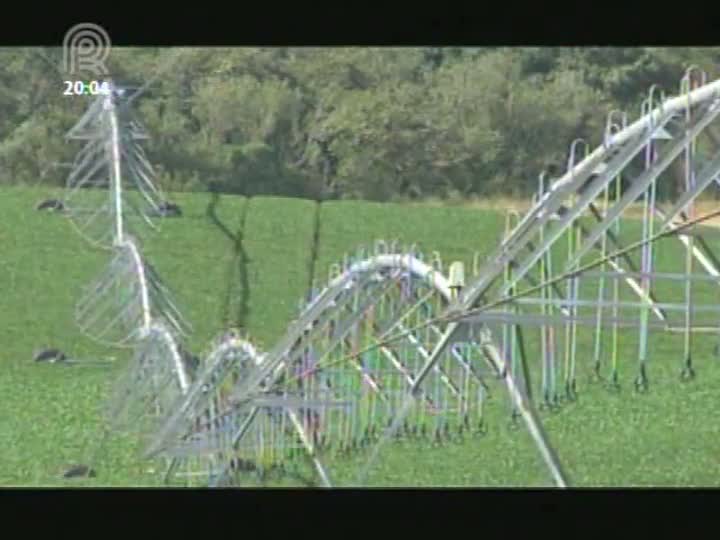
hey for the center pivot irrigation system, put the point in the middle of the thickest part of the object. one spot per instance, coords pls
(391, 347)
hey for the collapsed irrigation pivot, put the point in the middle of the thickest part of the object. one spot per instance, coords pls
(395, 345)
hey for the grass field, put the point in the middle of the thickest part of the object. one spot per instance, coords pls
(248, 262)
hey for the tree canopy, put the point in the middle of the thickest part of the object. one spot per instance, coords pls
(371, 123)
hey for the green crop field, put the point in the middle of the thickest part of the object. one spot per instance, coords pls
(231, 260)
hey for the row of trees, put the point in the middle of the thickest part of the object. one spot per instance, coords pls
(373, 123)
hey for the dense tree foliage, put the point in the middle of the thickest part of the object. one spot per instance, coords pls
(373, 123)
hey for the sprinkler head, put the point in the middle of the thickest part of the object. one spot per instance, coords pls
(687, 374)
(641, 381)
(260, 473)
(570, 390)
(438, 436)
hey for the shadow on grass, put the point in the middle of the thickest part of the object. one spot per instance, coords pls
(238, 285)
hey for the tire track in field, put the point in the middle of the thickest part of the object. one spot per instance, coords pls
(314, 248)
(236, 299)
